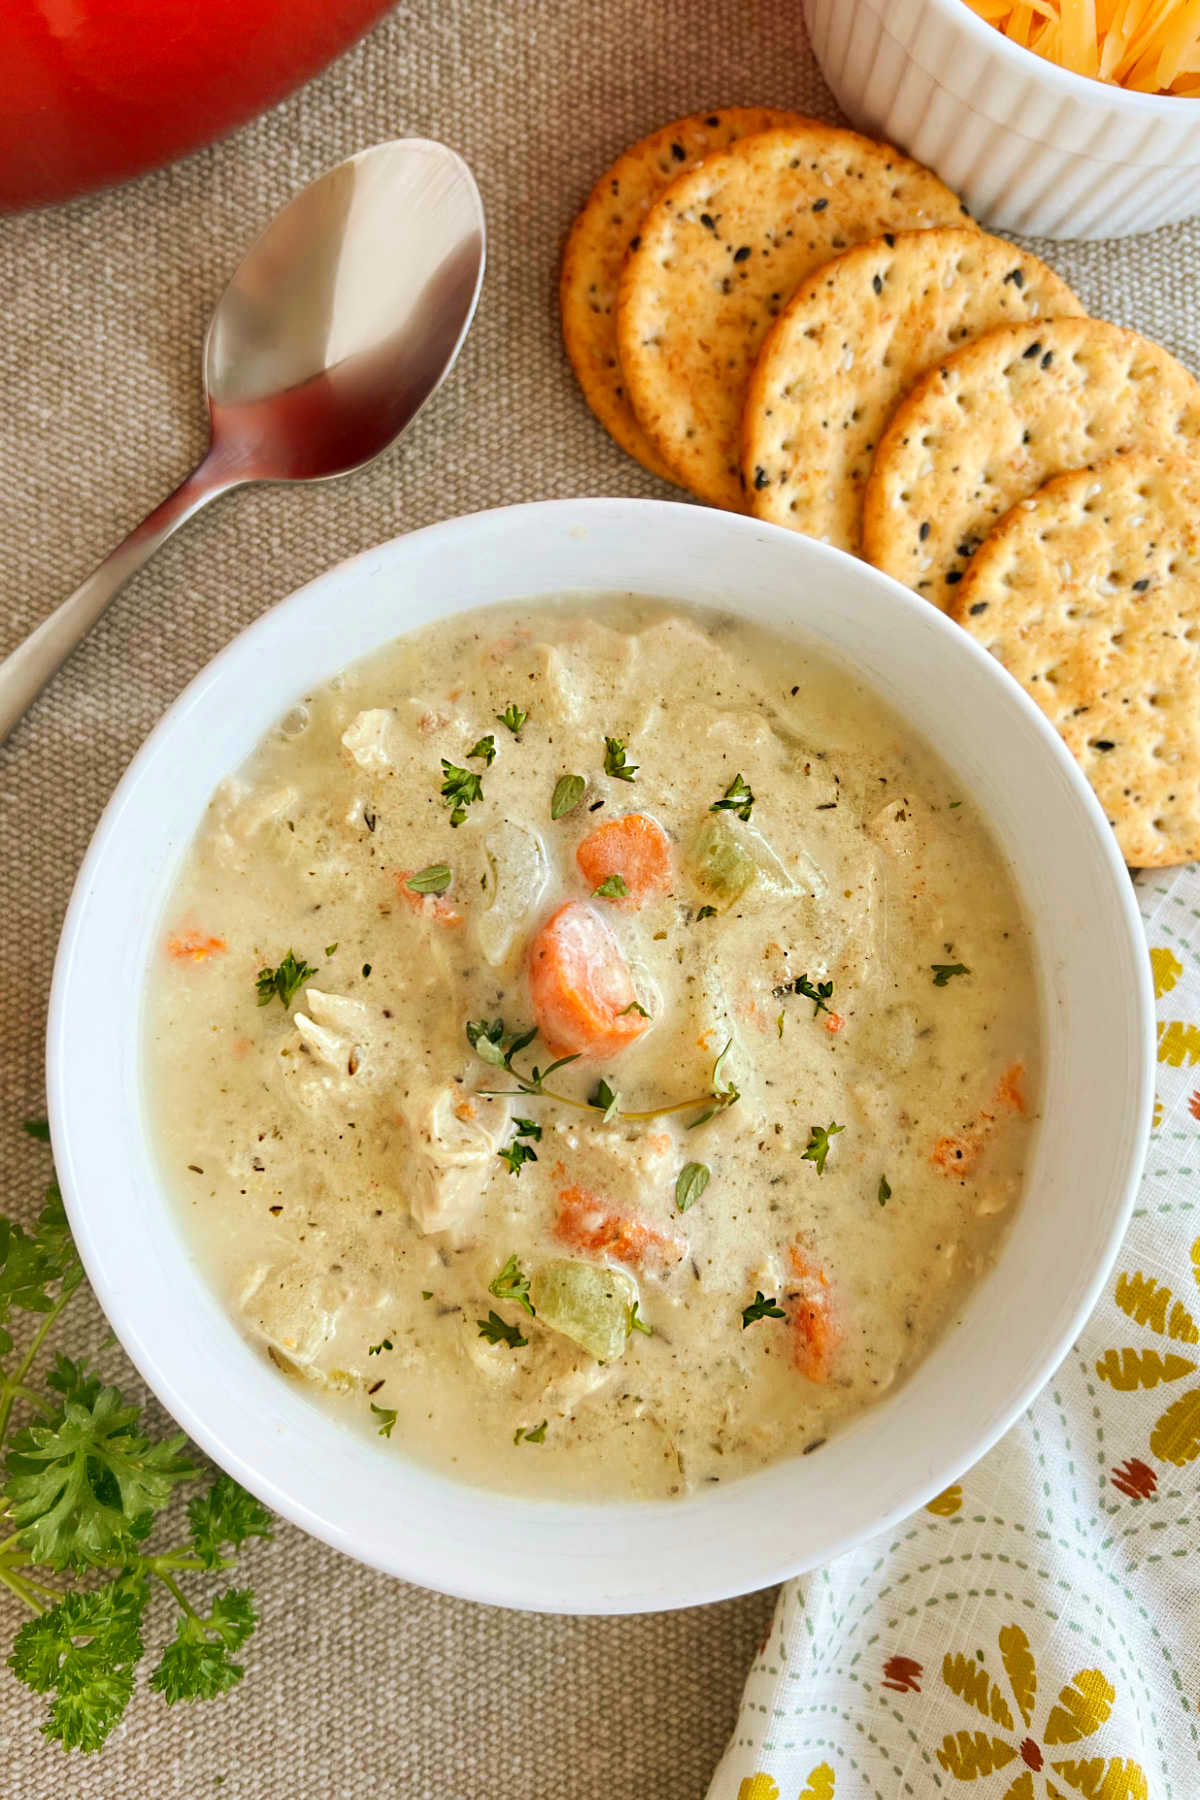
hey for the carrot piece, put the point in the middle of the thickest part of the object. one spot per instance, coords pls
(587, 1223)
(815, 1332)
(583, 995)
(1009, 1089)
(636, 848)
(957, 1155)
(834, 1022)
(193, 946)
(441, 909)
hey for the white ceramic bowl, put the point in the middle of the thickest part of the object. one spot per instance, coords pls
(362, 1496)
(1029, 146)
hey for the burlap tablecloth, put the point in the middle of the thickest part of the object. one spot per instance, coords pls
(357, 1688)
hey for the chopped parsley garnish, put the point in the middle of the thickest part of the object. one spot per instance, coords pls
(568, 792)
(761, 1308)
(486, 747)
(611, 888)
(636, 1324)
(737, 799)
(427, 1293)
(955, 803)
(819, 1144)
(494, 1329)
(779, 1024)
(707, 912)
(460, 789)
(512, 1284)
(690, 1183)
(614, 760)
(329, 949)
(533, 1435)
(942, 972)
(432, 880)
(387, 1416)
(513, 717)
(885, 1192)
(285, 982)
(819, 995)
(516, 1154)
(37, 1128)
(380, 1347)
(634, 1006)
(492, 1044)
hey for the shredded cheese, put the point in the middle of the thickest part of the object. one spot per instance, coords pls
(1150, 45)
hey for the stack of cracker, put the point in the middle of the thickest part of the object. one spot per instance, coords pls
(797, 322)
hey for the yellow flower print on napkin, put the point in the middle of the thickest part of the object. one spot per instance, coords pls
(1082, 1707)
(819, 1786)
(1166, 969)
(1175, 1437)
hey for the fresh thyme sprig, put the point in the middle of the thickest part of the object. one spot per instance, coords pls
(496, 1046)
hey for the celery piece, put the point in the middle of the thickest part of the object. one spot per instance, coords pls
(585, 1302)
(719, 862)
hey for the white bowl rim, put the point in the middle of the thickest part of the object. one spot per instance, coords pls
(1071, 85)
(439, 1570)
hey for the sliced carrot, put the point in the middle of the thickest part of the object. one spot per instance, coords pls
(636, 848)
(834, 1022)
(193, 946)
(586, 1222)
(815, 1331)
(957, 1155)
(583, 995)
(1009, 1088)
(439, 908)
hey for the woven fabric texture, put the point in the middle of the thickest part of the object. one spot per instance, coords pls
(357, 1688)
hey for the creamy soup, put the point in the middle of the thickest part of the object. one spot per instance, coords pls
(779, 965)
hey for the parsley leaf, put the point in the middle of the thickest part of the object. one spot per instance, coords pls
(707, 912)
(568, 792)
(737, 799)
(84, 1651)
(486, 747)
(615, 763)
(690, 1183)
(885, 1192)
(761, 1308)
(611, 888)
(531, 1434)
(512, 1284)
(819, 1144)
(198, 1664)
(605, 1099)
(494, 1329)
(379, 1348)
(516, 1154)
(285, 982)
(634, 1006)
(942, 972)
(513, 717)
(636, 1324)
(387, 1415)
(460, 789)
(434, 879)
(37, 1128)
(87, 1485)
(225, 1517)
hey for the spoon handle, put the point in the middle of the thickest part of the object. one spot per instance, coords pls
(25, 672)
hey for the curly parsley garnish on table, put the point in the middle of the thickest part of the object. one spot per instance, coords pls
(80, 1489)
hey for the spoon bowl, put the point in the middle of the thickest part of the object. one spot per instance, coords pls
(342, 319)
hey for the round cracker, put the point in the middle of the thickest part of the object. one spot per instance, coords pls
(717, 258)
(1000, 417)
(1089, 593)
(599, 238)
(849, 345)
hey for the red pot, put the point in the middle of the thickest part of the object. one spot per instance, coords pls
(93, 91)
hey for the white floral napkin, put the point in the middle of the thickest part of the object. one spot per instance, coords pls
(1034, 1632)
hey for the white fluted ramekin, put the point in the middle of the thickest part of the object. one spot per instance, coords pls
(1030, 146)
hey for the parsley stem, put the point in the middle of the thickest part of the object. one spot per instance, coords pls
(173, 1587)
(12, 1384)
(545, 1093)
(22, 1588)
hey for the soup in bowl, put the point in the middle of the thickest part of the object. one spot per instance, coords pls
(613, 1095)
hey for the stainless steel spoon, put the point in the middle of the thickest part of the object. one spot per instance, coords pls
(342, 319)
